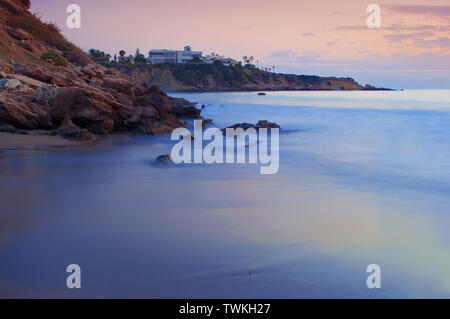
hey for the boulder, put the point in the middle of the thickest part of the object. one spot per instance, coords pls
(25, 115)
(260, 124)
(85, 106)
(70, 131)
(27, 80)
(266, 124)
(12, 84)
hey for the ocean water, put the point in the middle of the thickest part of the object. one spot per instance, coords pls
(364, 179)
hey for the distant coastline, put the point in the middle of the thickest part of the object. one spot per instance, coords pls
(220, 78)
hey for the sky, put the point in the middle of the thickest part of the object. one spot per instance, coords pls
(320, 37)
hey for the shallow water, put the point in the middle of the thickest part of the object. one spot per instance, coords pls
(364, 179)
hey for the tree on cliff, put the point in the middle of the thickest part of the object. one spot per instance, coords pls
(139, 57)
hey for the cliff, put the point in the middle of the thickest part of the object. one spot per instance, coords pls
(47, 83)
(218, 77)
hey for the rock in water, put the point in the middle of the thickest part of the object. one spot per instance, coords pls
(163, 159)
(260, 124)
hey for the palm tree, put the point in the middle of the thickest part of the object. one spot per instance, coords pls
(251, 59)
(122, 53)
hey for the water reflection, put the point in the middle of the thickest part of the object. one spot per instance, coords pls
(347, 195)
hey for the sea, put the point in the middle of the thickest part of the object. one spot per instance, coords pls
(364, 179)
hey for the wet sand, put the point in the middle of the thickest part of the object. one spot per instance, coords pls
(34, 141)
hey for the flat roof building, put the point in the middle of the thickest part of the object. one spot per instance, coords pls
(174, 56)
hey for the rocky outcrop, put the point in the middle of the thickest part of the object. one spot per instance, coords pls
(261, 124)
(77, 100)
(72, 132)
(163, 159)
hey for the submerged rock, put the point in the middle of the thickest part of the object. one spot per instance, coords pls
(163, 159)
(260, 124)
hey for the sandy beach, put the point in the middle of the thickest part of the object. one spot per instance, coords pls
(34, 141)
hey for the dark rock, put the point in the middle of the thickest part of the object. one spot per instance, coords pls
(164, 159)
(71, 131)
(266, 124)
(260, 124)
(85, 106)
(190, 112)
(12, 84)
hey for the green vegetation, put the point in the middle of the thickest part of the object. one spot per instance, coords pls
(55, 57)
(99, 56)
(139, 58)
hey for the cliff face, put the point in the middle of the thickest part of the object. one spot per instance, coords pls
(218, 77)
(48, 83)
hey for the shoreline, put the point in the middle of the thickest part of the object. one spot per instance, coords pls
(35, 141)
(275, 90)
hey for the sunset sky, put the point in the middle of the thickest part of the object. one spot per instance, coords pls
(330, 38)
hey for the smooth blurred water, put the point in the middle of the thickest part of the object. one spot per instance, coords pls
(364, 179)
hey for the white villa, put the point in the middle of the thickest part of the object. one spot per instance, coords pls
(174, 56)
(211, 58)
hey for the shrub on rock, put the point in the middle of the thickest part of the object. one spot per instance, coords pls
(55, 58)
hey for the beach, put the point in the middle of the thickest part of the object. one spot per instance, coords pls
(34, 141)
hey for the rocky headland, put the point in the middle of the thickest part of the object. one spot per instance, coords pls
(49, 85)
(220, 78)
